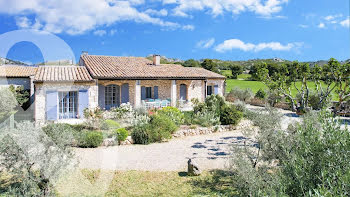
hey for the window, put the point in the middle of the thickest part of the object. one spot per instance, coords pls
(68, 105)
(209, 90)
(148, 92)
(112, 96)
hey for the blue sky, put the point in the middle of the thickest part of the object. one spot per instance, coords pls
(303, 30)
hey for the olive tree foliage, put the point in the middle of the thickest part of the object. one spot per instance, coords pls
(7, 102)
(298, 76)
(306, 159)
(30, 162)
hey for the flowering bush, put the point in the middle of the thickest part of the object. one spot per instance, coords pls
(172, 113)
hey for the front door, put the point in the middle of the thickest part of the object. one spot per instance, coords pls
(112, 96)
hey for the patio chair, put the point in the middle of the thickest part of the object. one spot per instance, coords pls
(150, 100)
(158, 100)
(157, 104)
(164, 103)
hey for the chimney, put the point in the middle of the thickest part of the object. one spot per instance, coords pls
(83, 53)
(156, 60)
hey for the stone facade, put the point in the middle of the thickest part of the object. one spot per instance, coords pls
(40, 97)
(195, 88)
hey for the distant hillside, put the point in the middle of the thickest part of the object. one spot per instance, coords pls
(166, 60)
(57, 63)
(9, 61)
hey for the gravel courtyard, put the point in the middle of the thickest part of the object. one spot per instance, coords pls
(209, 151)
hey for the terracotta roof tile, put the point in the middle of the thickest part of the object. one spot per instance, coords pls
(17, 71)
(110, 67)
(62, 74)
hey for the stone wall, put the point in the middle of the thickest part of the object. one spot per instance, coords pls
(220, 83)
(40, 96)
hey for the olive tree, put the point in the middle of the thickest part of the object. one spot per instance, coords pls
(30, 162)
(7, 102)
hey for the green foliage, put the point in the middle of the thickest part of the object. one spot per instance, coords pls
(91, 139)
(191, 63)
(210, 65)
(242, 94)
(160, 128)
(236, 70)
(110, 125)
(188, 117)
(94, 117)
(61, 134)
(121, 134)
(230, 115)
(30, 162)
(305, 160)
(22, 96)
(206, 118)
(7, 102)
(173, 114)
(140, 135)
(260, 94)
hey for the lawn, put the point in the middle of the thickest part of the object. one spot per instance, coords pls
(256, 85)
(145, 183)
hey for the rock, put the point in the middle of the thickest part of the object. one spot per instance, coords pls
(108, 142)
(192, 168)
(129, 138)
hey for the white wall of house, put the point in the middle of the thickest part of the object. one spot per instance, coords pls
(40, 98)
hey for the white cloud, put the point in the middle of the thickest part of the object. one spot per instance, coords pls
(204, 44)
(345, 23)
(218, 7)
(112, 32)
(78, 16)
(303, 26)
(100, 32)
(321, 26)
(162, 12)
(231, 44)
(188, 27)
(332, 17)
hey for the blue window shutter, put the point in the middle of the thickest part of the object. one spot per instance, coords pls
(83, 101)
(101, 96)
(51, 105)
(155, 92)
(125, 93)
(143, 93)
(216, 89)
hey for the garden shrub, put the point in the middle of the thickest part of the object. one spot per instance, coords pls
(160, 128)
(188, 117)
(92, 139)
(243, 95)
(260, 94)
(139, 134)
(206, 118)
(110, 125)
(230, 115)
(307, 159)
(173, 114)
(273, 97)
(121, 134)
(60, 133)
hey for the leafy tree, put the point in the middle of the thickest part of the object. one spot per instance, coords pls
(30, 161)
(7, 102)
(22, 95)
(236, 70)
(210, 65)
(191, 63)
